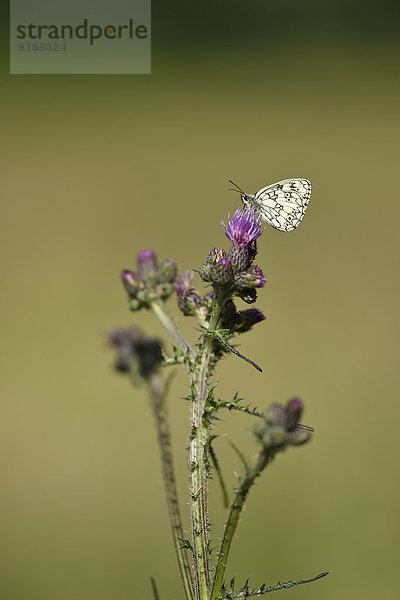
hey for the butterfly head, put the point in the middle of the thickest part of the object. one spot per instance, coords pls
(238, 189)
(247, 200)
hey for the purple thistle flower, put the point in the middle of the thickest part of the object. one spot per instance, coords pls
(147, 265)
(244, 227)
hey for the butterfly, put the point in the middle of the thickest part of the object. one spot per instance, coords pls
(281, 204)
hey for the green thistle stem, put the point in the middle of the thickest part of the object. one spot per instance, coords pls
(232, 522)
(199, 458)
(157, 398)
(159, 310)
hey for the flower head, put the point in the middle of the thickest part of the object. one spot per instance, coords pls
(151, 282)
(244, 227)
(279, 427)
(147, 265)
(134, 352)
(189, 300)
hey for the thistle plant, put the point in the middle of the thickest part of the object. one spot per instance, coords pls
(232, 278)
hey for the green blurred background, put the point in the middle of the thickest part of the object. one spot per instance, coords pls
(95, 168)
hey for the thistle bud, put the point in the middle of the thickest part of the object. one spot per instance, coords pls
(241, 257)
(279, 427)
(298, 436)
(250, 279)
(168, 271)
(274, 415)
(214, 257)
(189, 299)
(205, 272)
(293, 410)
(131, 282)
(221, 272)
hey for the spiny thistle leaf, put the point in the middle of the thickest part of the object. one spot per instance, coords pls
(212, 406)
(244, 592)
(248, 410)
(186, 544)
(221, 335)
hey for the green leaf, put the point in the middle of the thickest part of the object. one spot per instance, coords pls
(241, 457)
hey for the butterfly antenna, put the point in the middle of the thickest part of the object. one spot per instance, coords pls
(238, 189)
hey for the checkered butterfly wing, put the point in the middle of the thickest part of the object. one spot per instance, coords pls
(282, 204)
